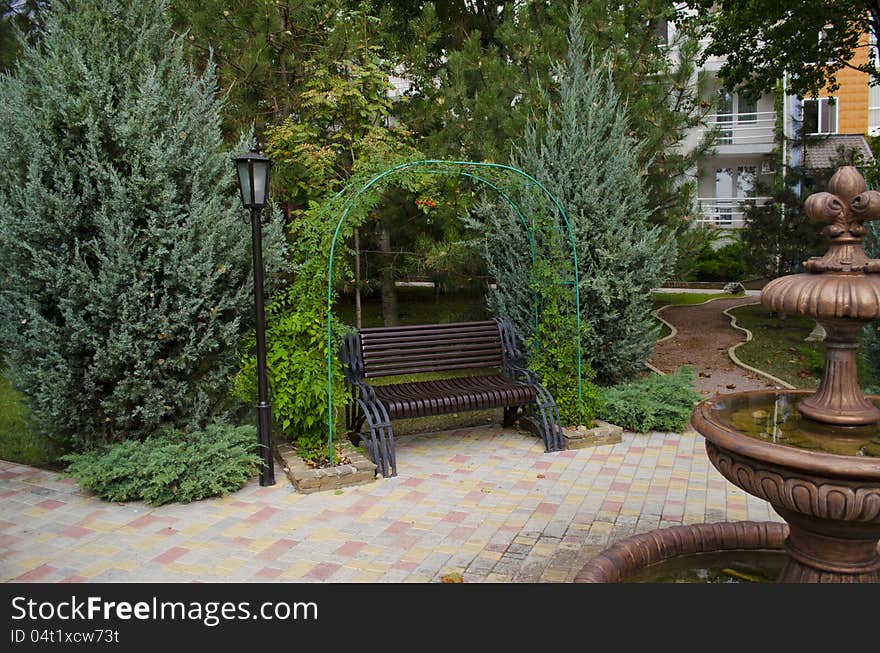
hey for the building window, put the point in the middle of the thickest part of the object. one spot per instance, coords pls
(820, 116)
(747, 107)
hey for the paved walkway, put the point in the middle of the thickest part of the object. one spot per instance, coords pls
(484, 502)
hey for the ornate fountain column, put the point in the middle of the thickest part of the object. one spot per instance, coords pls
(841, 291)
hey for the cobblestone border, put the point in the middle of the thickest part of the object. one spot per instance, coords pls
(731, 352)
(601, 433)
(310, 479)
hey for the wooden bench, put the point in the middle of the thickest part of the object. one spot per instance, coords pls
(488, 346)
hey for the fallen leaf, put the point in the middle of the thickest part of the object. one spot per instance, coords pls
(540, 476)
(730, 386)
(454, 577)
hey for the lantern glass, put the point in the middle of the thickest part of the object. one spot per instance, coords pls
(253, 180)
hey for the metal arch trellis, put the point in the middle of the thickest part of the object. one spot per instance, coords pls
(430, 168)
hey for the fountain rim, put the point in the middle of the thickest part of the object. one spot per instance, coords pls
(819, 463)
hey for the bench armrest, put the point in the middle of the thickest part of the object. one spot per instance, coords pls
(518, 374)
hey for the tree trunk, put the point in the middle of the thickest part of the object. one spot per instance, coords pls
(357, 278)
(389, 292)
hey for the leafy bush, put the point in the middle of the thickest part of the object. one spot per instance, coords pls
(171, 466)
(722, 264)
(653, 403)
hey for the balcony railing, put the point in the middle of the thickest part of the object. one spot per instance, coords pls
(726, 212)
(754, 128)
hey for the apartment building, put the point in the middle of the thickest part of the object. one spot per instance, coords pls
(746, 149)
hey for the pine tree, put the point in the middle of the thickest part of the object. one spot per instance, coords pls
(124, 255)
(583, 152)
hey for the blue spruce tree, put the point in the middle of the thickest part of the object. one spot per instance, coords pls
(125, 282)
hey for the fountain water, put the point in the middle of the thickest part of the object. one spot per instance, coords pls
(814, 456)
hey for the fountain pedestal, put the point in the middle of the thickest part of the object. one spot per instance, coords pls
(815, 457)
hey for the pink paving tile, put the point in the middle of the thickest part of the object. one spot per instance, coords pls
(324, 570)
(350, 548)
(262, 515)
(171, 555)
(74, 579)
(269, 572)
(414, 497)
(459, 458)
(413, 482)
(497, 547)
(51, 504)
(461, 533)
(620, 487)
(37, 574)
(406, 542)
(438, 475)
(398, 527)
(547, 507)
(464, 470)
(567, 454)
(541, 464)
(147, 520)
(6, 541)
(76, 531)
(612, 506)
(455, 517)
(5, 524)
(244, 541)
(277, 549)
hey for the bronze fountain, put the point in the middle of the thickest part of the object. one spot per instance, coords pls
(815, 457)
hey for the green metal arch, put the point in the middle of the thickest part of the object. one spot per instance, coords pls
(460, 164)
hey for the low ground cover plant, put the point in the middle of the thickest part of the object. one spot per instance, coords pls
(653, 403)
(170, 466)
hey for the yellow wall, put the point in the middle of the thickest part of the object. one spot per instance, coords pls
(852, 97)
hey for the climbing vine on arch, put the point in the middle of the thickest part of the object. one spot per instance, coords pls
(304, 335)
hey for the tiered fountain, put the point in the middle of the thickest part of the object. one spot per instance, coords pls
(814, 456)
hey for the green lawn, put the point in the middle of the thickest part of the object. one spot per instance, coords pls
(778, 347)
(17, 444)
(666, 298)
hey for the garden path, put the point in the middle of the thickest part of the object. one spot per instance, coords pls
(703, 338)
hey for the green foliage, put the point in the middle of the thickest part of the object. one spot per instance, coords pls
(296, 336)
(762, 42)
(555, 363)
(653, 403)
(722, 264)
(125, 267)
(170, 467)
(584, 153)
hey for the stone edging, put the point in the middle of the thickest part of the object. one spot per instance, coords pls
(309, 479)
(731, 352)
(672, 330)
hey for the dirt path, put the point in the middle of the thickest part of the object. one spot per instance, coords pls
(703, 338)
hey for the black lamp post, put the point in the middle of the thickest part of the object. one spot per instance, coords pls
(253, 180)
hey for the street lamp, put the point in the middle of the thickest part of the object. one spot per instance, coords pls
(253, 180)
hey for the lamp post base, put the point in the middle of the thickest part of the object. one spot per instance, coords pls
(267, 470)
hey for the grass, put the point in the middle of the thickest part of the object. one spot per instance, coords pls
(778, 347)
(678, 298)
(17, 443)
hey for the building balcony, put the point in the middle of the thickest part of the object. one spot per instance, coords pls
(742, 133)
(726, 212)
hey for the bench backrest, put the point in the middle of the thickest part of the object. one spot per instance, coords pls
(389, 351)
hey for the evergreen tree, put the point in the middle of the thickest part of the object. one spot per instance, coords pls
(583, 151)
(124, 255)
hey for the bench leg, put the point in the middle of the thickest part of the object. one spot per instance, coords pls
(379, 441)
(544, 416)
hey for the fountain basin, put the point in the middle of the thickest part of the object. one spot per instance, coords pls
(831, 501)
(631, 557)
